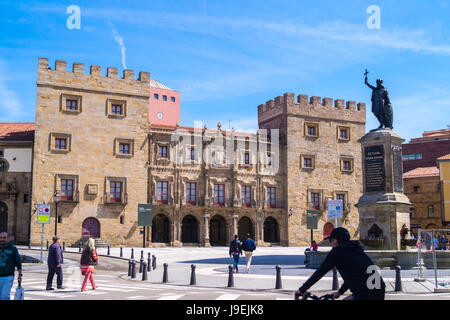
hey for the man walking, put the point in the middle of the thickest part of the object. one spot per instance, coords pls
(9, 260)
(54, 262)
(248, 246)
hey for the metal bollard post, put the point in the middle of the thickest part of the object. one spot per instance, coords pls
(129, 268)
(79, 246)
(278, 281)
(121, 252)
(29, 244)
(193, 279)
(149, 262)
(230, 277)
(133, 269)
(109, 251)
(144, 271)
(47, 245)
(153, 262)
(335, 280)
(132, 253)
(142, 254)
(141, 261)
(165, 275)
(398, 280)
(64, 246)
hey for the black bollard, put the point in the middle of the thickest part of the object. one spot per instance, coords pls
(121, 252)
(165, 275)
(129, 268)
(29, 244)
(335, 280)
(109, 251)
(64, 246)
(79, 246)
(141, 262)
(230, 277)
(153, 262)
(144, 271)
(149, 263)
(133, 269)
(398, 279)
(278, 281)
(47, 245)
(142, 254)
(193, 279)
(132, 253)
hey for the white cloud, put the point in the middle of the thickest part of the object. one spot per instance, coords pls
(119, 40)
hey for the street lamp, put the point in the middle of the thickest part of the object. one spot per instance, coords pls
(57, 197)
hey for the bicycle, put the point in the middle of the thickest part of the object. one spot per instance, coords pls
(313, 297)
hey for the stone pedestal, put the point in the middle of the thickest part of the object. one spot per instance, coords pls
(383, 208)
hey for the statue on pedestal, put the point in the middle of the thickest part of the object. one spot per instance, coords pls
(381, 105)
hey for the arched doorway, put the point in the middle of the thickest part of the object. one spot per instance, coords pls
(189, 229)
(327, 228)
(271, 230)
(92, 225)
(217, 231)
(3, 217)
(160, 229)
(245, 226)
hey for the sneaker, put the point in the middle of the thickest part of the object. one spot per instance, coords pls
(49, 288)
(61, 288)
(237, 271)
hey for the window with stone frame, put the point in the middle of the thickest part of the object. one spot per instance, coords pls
(315, 199)
(70, 103)
(343, 195)
(192, 153)
(271, 197)
(219, 195)
(307, 161)
(60, 142)
(246, 158)
(191, 193)
(67, 187)
(162, 196)
(124, 148)
(246, 196)
(116, 108)
(343, 133)
(312, 129)
(116, 190)
(347, 164)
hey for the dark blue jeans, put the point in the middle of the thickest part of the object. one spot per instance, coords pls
(236, 261)
(59, 276)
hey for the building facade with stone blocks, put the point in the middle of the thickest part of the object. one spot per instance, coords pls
(444, 177)
(322, 157)
(422, 187)
(97, 149)
(91, 148)
(16, 149)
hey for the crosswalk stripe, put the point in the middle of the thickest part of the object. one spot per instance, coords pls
(228, 296)
(174, 297)
(136, 297)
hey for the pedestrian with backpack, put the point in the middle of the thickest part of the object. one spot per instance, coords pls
(9, 261)
(248, 246)
(89, 259)
(235, 251)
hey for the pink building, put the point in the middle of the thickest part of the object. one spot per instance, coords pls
(164, 107)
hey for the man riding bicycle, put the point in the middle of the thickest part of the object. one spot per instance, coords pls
(354, 267)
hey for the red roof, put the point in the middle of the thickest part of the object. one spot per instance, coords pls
(10, 131)
(422, 172)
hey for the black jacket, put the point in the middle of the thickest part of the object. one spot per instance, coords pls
(352, 263)
(86, 257)
(235, 246)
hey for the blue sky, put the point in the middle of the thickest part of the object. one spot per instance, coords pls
(227, 57)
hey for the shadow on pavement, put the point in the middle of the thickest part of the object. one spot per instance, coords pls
(257, 260)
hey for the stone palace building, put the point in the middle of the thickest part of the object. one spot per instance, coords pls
(104, 144)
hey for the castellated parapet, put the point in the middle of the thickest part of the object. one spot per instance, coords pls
(314, 107)
(77, 79)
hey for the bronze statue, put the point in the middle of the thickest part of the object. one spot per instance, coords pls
(381, 105)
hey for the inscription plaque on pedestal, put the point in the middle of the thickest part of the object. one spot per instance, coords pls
(374, 168)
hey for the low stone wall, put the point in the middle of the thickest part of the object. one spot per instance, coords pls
(388, 259)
